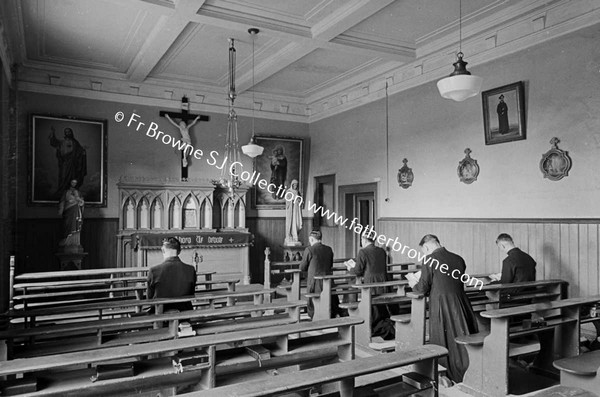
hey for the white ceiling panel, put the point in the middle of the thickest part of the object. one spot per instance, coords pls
(320, 68)
(85, 33)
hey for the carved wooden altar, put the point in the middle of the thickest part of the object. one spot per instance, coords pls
(209, 222)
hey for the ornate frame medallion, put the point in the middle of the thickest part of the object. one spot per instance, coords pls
(405, 176)
(555, 163)
(468, 169)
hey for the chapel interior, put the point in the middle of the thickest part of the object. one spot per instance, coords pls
(349, 91)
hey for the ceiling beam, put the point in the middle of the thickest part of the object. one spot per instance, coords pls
(323, 32)
(162, 37)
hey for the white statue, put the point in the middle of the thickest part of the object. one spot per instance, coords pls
(184, 129)
(293, 215)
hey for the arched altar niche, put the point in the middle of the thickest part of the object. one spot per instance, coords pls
(207, 220)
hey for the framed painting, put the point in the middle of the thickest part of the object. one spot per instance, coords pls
(504, 114)
(63, 150)
(281, 162)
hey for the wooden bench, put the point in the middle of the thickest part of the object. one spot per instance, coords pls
(88, 335)
(580, 371)
(208, 285)
(489, 352)
(411, 328)
(363, 308)
(89, 309)
(345, 373)
(322, 301)
(227, 355)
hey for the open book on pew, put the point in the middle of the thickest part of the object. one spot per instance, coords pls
(413, 278)
(185, 329)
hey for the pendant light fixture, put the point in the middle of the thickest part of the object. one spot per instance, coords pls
(228, 180)
(252, 149)
(460, 85)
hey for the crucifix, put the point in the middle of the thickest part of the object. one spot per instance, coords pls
(184, 116)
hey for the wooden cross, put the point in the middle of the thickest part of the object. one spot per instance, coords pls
(185, 116)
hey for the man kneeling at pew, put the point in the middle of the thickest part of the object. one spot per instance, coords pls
(371, 265)
(172, 278)
(450, 311)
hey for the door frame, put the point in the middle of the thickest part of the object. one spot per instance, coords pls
(344, 193)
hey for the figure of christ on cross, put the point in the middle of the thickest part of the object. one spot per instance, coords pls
(184, 130)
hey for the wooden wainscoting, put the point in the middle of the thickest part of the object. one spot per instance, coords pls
(563, 248)
(37, 243)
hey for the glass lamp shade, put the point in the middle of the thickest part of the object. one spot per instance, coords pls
(252, 149)
(459, 87)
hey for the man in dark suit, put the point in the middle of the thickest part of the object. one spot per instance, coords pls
(371, 265)
(518, 266)
(317, 261)
(172, 278)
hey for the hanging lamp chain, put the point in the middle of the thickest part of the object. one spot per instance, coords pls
(253, 40)
(460, 26)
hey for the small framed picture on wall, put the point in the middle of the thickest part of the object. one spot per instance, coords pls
(504, 114)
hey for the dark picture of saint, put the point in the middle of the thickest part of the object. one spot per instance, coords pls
(64, 150)
(502, 110)
(71, 157)
(504, 113)
(280, 164)
(278, 169)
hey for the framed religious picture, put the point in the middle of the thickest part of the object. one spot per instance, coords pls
(504, 114)
(281, 162)
(66, 151)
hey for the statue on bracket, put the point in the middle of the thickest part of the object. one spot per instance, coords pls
(555, 163)
(468, 169)
(405, 176)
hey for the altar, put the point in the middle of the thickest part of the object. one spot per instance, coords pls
(209, 223)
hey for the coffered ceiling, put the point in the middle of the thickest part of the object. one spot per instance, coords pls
(312, 57)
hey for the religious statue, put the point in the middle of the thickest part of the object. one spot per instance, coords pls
(184, 129)
(293, 215)
(70, 208)
(72, 160)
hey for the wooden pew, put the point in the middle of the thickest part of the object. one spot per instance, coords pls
(424, 359)
(288, 345)
(410, 328)
(489, 352)
(119, 307)
(580, 371)
(88, 335)
(363, 308)
(322, 301)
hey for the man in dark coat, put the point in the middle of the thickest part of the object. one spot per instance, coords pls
(450, 311)
(317, 260)
(172, 278)
(371, 264)
(518, 266)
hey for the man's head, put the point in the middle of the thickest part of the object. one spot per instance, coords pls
(505, 242)
(68, 133)
(314, 237)
(367, 239)
(170, 247)
(429, 243)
